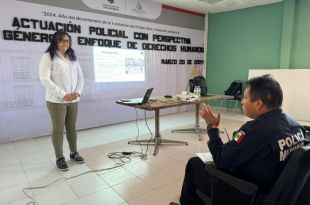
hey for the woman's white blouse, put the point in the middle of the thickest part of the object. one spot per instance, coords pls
(60, 76)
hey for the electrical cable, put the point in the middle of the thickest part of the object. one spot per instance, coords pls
(147, 145)
(144, 154)
(227, 135)
(138, 130)
(119, 158)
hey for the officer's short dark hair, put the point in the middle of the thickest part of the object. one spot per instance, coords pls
(267, 89)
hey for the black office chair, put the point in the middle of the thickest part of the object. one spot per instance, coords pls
(235, 90)
(291, 188)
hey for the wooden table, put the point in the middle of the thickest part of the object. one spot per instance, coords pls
(163, 103)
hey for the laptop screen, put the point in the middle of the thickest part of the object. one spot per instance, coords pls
(147, 95)
(140, 101)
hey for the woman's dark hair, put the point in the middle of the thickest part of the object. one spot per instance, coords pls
(56, 38)
(266, 89)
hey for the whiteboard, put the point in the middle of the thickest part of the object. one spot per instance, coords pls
(295, 84)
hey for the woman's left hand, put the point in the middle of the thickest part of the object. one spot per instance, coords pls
(75, 95)
(71, 96)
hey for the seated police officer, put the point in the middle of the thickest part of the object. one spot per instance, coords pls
(259, 148)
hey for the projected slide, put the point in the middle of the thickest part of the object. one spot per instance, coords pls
(118, 65)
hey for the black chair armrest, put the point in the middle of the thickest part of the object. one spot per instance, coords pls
(241, 185)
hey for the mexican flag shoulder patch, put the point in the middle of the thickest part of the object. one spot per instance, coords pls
(239, 136)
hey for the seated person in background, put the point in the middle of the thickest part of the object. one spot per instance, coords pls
(259, 148)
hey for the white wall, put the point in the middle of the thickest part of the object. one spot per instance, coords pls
(295, 84)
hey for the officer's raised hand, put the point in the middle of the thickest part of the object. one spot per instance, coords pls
(209, 117)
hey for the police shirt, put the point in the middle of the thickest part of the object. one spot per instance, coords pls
(259, 149)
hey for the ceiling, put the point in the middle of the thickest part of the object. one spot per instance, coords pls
(215, 6)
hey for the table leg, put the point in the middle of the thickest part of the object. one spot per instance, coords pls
(157, 139)
(195, 129)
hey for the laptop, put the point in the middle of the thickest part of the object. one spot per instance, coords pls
(139, 101)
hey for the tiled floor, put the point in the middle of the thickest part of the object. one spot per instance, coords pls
(156, 180)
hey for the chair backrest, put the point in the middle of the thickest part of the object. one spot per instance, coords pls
(293, 182)
(235, 89)
(291, 188)
(304, 198)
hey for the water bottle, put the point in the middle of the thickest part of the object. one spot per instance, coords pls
(198, 91)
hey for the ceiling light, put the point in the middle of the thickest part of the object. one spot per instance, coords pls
(211, 1)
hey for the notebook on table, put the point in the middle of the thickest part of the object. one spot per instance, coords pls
(139, 101)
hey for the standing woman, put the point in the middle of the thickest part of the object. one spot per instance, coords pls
(61, 74)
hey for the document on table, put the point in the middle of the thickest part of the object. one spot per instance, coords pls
(206, 157)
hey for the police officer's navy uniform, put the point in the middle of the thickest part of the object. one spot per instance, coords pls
(256, 153)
